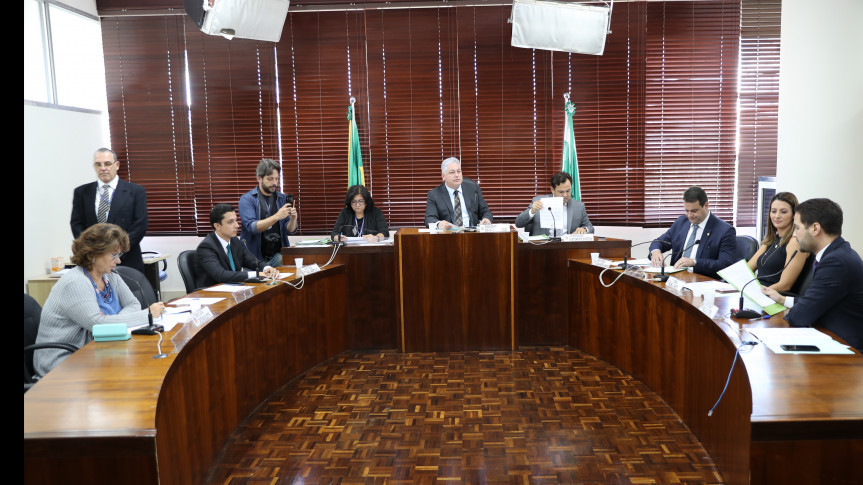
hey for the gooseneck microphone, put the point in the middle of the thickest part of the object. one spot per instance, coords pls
(664, 277)
(624, 264)
(151, 328)
(741, 313)
(554, 224)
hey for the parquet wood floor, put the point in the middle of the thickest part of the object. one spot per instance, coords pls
(547, 415)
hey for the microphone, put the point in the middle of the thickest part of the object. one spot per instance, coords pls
(554, 223)
(150, 329)
(626, 265)
(741, 313)
(476, 205)
(664, 277)
(353, 233)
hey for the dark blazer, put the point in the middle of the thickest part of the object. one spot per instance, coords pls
(212, 266)
(835, 296)
(128, 210)
(374, 223)
(439, 205)
(575, 211)
(717, 249)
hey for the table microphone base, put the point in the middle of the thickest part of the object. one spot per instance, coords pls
(747, 314)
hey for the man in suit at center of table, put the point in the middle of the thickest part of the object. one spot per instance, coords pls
(456, 193)
(112, 200)
(575, 219)
(716, 240)
(835, 297)
(221, 256)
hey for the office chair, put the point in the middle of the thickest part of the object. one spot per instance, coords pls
(186, 263)
(139, 284)
(163, 273)
(746, 247)
(32, 316)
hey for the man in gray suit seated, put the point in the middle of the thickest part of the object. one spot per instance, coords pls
(457, 202)
(575, 219)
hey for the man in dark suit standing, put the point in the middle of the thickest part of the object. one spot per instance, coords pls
(456, 202)
(835, 296)
(575, 219)
(716, 240)
(221, 256)
(112, 200)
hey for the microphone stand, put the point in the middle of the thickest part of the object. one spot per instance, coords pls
(554, 228)
(747, 314)
(151, 328)
(624, 264)
(664, 277)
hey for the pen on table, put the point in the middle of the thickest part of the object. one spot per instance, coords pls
(765, 317)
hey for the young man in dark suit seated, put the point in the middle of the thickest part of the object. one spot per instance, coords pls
(835, 297)
(221, 257)
(699, 241)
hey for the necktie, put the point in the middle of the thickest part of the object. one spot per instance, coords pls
(231, 258)
(102, 216)
(814, 265)
(456, 203)
(691, 241)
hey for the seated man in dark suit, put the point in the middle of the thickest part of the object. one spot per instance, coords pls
(456, 202)
(221, 256)
(835, 296)
(575, 220)
(716, 240)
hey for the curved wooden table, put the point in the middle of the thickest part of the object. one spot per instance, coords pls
(111, 413)
(783, 419)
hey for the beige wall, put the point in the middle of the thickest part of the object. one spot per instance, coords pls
(821, 106)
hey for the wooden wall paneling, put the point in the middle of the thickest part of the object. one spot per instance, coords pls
(544, 293)
(666, 342)
(822, 462)
(431, 294)
(370, 292)
(489, 289)
(47, 460)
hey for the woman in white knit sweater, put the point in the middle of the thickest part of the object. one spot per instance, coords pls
(88, 295)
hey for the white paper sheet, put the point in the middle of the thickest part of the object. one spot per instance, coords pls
(739, 274)
(199, 301)
(546, 221)
(775, 338)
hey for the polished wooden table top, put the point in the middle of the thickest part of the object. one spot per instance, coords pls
(110, 388)
(789, 388)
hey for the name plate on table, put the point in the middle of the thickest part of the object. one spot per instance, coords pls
(242, 295)
(675, 284)
(201, 316)
(577, 237)
(310, 269)
(709, 309)
(493, 228)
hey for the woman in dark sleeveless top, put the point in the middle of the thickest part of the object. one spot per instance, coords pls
(778, 246)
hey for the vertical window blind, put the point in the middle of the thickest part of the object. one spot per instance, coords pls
(655, 114)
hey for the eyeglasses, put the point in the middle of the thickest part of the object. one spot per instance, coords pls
(116, 255)
(358, 202)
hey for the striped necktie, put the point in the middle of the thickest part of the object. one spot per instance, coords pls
(456, 203)
(102, 216)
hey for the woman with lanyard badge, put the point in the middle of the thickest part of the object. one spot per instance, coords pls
(360, 217)
(89, 294)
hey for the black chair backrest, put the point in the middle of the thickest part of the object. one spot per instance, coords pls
(746, 247)
(32, 316)
(186, 262)
(138, 283)
(805, 277)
